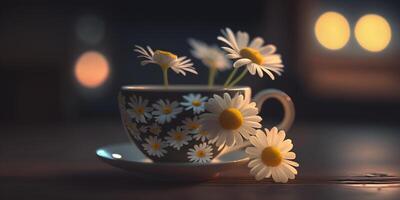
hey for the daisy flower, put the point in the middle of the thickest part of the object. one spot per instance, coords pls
(191, 124)
(202, 135)
(155, 146)
(135, 131)
(139, 110)
(211, 56)
(271, 156)
(201, 153)
(230, 119)
(154, 129)
(194, 102)
(165, 60)
(165, 111)
(178, 137)
(257, 57)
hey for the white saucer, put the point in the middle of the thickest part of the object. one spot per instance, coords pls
(126, 156)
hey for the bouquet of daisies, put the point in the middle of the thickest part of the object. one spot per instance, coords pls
(252, 56)
(269, 152)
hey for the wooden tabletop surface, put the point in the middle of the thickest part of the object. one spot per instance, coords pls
(57, 161)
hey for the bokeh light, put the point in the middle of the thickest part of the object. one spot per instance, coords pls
(92, 69)
(373, 32)
(332, 30)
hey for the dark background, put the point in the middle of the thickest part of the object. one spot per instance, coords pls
(346, 132)
(39, 46)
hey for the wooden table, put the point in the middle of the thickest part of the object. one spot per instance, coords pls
(58, 161)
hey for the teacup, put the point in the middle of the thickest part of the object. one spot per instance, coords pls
(163, 121)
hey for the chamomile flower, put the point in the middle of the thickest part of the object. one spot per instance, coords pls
(135, 131)
(165, 60)
(155, 146)
(191, 125)
(194, 102)
(270, 155)
(202, 135)
(230, 119)
(211, 56)
(165, 111)
(178, 137)
(201, 153)
(139, 110)
(154, 129)
(257, 57)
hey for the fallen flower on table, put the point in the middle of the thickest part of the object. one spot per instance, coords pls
(270, 155)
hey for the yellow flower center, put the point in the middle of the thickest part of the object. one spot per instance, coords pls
(164, 58)
(154, 130)
(139, 110)
(193, 126)
(231, 119)
(271, 156)
(132, 126)
(252, 54)
(178, 136)
(200, 154)
(155, 146)
(196, 103)
(167, 110)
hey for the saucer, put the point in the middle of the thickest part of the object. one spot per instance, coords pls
(126, 156)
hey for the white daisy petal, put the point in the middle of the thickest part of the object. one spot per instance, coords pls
(256, 43)
(292, 163)
(231, 37)
(260, 135)
(252, 151)
(290, 168)
(268, 49)
(243, 39)
(285, 146)
(233, 56)
(241, 62)
(261, 174)
(229, 50)
(256, 169)
(289, 155)
(252, 68)
(282, 175)
(254, 162)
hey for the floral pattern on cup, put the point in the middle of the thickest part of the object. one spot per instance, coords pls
(144, 121)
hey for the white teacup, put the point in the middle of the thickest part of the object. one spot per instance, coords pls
(151, 113)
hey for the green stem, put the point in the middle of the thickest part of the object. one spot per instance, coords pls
(211, 76)
(240, 77)
(165, 76)
(230, 77)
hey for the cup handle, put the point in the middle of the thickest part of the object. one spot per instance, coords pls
(260, 98)
(284, 99)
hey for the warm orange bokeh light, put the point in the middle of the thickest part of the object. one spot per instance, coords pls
(373, 32)
(92, 69)
(332, 30)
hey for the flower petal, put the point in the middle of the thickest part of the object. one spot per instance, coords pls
(241, 62)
